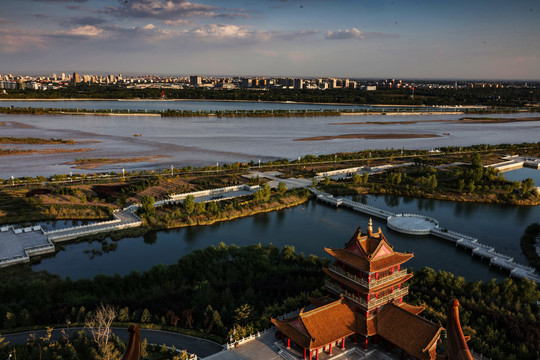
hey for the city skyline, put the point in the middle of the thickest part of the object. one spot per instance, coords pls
(313, 38)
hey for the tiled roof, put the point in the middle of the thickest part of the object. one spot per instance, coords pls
(415, 310)
(321, 326)
(364, 264)
(416, 335)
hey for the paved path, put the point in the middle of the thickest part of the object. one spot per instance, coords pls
(193, 345)
(291, 183)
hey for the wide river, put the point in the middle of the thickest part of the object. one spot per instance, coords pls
(309, 228)
(206, 140)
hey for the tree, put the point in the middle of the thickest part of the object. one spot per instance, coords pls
(527, 185)
(147, 203)
(189, 204)
(356, 179)
(326, 181)
(314, 182)
(99, 325)
(282, 187)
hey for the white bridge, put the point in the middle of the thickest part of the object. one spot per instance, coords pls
(415, 224)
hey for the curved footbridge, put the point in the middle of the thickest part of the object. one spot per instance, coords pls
(414, 224)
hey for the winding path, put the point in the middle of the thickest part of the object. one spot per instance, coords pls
(193, 345)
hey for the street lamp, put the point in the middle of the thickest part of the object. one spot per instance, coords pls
(123, 174)
(172, 170)
(12, 180)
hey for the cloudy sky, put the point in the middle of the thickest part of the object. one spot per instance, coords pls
(458, 39)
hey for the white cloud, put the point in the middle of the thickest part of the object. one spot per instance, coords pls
(87, 31)
(219, 31)
(345, 34)
(354, 33)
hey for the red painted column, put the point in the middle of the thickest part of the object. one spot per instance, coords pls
(376, 276)
(317, 354)
(310, 354)
(288, 343)
(305, 353)
(330, 349)
(365, 343)
(369, 278)
(343, 344)
(367, 297)
(398, 267)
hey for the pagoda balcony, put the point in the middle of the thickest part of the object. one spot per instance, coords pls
(373, 302)
(362, 281)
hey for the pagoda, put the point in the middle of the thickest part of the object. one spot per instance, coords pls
(366, 290)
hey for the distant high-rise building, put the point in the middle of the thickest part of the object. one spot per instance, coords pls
(63, 76)
(299, 84)
(195, 80)
(76, 78)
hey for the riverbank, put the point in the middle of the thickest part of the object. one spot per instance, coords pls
(438, 195)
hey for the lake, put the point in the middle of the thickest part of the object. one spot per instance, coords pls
(309, 228)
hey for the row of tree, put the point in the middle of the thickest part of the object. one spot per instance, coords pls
(494, 96)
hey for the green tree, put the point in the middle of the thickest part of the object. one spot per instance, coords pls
(147, 203)
(282, 187)
(356, 179)
(326, 181)
(189, 204)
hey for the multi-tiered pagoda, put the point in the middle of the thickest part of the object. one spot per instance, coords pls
(367, 280)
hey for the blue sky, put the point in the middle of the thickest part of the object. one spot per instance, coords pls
(437, 39)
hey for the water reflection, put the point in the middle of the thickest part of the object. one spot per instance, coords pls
(391, 200)
(150, 237)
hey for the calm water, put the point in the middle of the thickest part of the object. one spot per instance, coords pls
(311, 227)
(200, 141)
(522, 174)
(173, 105)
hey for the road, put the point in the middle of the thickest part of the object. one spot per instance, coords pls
(201, 347)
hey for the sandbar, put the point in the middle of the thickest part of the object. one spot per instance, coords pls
(368, 136)
(95, 163)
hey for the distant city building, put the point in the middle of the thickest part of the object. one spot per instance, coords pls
(195, 80)
(76, 78)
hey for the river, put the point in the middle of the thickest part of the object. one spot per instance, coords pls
(309, 228)
(199, 141)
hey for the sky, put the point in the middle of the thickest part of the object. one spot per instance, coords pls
(407, 39)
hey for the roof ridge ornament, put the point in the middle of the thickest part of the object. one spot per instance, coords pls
(370, 227)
